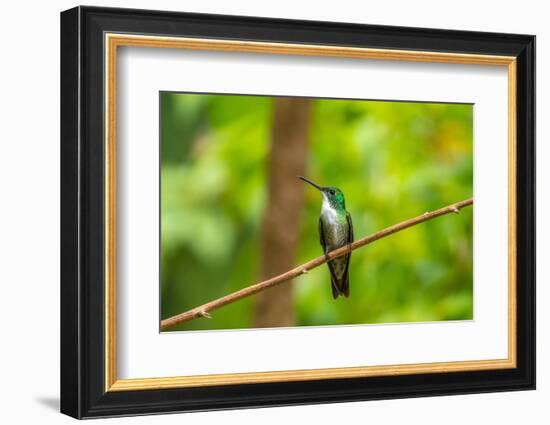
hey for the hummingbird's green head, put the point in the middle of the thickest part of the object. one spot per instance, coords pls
(332, 195)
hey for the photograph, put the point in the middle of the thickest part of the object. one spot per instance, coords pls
(252, 186)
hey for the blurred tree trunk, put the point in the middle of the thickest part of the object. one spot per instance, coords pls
(281, 222)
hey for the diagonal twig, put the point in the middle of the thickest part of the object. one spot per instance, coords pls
(205, 309)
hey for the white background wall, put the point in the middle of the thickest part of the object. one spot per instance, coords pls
(29, 209)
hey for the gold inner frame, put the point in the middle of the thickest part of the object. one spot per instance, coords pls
(113, 41)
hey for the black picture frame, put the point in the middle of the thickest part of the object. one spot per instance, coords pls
(83, 392)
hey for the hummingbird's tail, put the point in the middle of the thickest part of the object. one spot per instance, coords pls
(335, 290)
(345, 285)
(339, 287)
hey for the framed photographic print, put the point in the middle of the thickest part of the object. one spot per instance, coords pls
(261, 212)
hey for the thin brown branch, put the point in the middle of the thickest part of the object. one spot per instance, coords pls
(205, 309)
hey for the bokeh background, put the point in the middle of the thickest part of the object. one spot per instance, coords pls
(233, 211)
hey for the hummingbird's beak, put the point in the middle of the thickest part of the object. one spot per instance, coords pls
(311, 183)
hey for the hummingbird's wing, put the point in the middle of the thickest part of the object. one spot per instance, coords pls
(333, 278)
(335, 283)
(345, 279)
(322, 236)
(350, 225)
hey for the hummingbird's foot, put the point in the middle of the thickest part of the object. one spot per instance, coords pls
(205, 314)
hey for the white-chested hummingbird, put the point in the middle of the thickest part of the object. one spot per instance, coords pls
(335, 231)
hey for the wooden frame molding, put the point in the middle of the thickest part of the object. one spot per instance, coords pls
(114, 40)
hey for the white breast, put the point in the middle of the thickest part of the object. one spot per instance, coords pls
(328, 211)
(334, 229)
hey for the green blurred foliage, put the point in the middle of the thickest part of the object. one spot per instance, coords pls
(392, 160)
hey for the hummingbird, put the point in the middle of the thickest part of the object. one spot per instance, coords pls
(335, 231)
